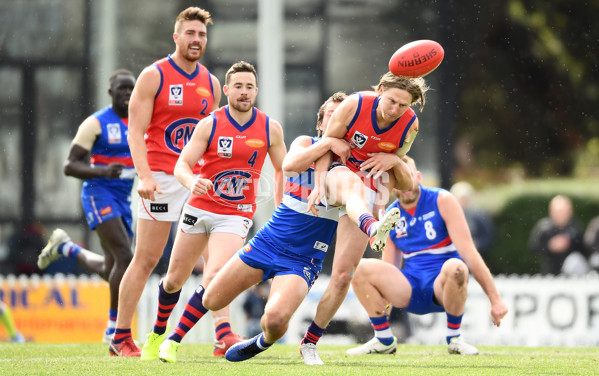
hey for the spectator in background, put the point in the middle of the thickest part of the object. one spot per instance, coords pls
(253, 306)
(480, 223)
(558, 237)
(591, 242)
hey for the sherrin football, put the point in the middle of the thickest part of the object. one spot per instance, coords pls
(416, 59)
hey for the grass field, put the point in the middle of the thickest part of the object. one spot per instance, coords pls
(197, 359)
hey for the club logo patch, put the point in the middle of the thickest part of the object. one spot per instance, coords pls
(225, 147)
(359, 140)
(114, 133)
(401, 228)
(321, 246)
(175, 95)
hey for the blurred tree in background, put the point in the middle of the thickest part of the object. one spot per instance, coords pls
(529, 89)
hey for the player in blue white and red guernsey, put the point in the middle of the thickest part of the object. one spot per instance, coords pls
(381, 127)
(233, 143)
(105, 193)
(289, 249)
(433, 239)
(170, 97)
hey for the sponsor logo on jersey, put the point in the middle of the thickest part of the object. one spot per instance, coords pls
(225, 147)
(114, 133)
(428, 215)
(386, 146)
(175, 95)
(203, 92)
(359, 140)
(255, 143)
(246, 208)
(189, 219)
(158, 208)
(231, 185)
(105, 211)
(178, 133)
(321, 246)
(401, 228)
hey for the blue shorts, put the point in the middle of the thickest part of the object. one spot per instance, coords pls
(105, 205)
(259, 253)
(423, 295)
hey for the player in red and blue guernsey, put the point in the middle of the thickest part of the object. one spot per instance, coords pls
(105, 193)
(433, 240)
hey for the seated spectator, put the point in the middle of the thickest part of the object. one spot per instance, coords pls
(480, 223)
(558, 236)
(591, 242)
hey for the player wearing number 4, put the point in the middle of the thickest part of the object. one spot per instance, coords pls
(433, 239)
(233, 142)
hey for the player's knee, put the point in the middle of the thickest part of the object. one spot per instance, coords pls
(275, 322)
(171, 285)
(460, 274)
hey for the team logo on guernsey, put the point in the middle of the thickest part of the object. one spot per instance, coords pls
(225, 147)
(401, 228)
(307, 273)
(175, 95)
(232, 184)
(359, 140)
(178, 133)
(114, 133)
(321, 246)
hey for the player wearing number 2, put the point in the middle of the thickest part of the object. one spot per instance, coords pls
(169, 99)
(233, 142)
(433, 239)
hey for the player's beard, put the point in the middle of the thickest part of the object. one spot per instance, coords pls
(190, 55)
(242, 107)
(410, 198)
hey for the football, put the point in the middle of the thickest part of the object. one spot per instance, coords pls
(416, 59)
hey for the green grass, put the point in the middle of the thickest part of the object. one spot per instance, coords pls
(197, 359)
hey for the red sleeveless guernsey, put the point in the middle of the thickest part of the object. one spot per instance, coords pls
(364, 133)
(233, 161)
(182, 100)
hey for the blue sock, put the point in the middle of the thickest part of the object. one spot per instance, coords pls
(69, 249)
(382, 330)
(313, 334)
(454, 323)
(366, 221)
(110, 327)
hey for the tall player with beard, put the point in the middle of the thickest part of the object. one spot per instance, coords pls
(169, 99)
(233, 142)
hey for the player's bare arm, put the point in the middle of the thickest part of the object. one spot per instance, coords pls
(77, 165)
(277, 152)
(455, 220)
(341, 117)
(217, 92)
(141, 106)
(303, 153)
(189, 157)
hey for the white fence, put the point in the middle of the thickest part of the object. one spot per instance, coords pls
(543, 311)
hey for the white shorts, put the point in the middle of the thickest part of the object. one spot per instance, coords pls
(167, 205)
(369, 193)
(198, 221)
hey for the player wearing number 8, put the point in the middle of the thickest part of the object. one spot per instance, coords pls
(433, 239)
